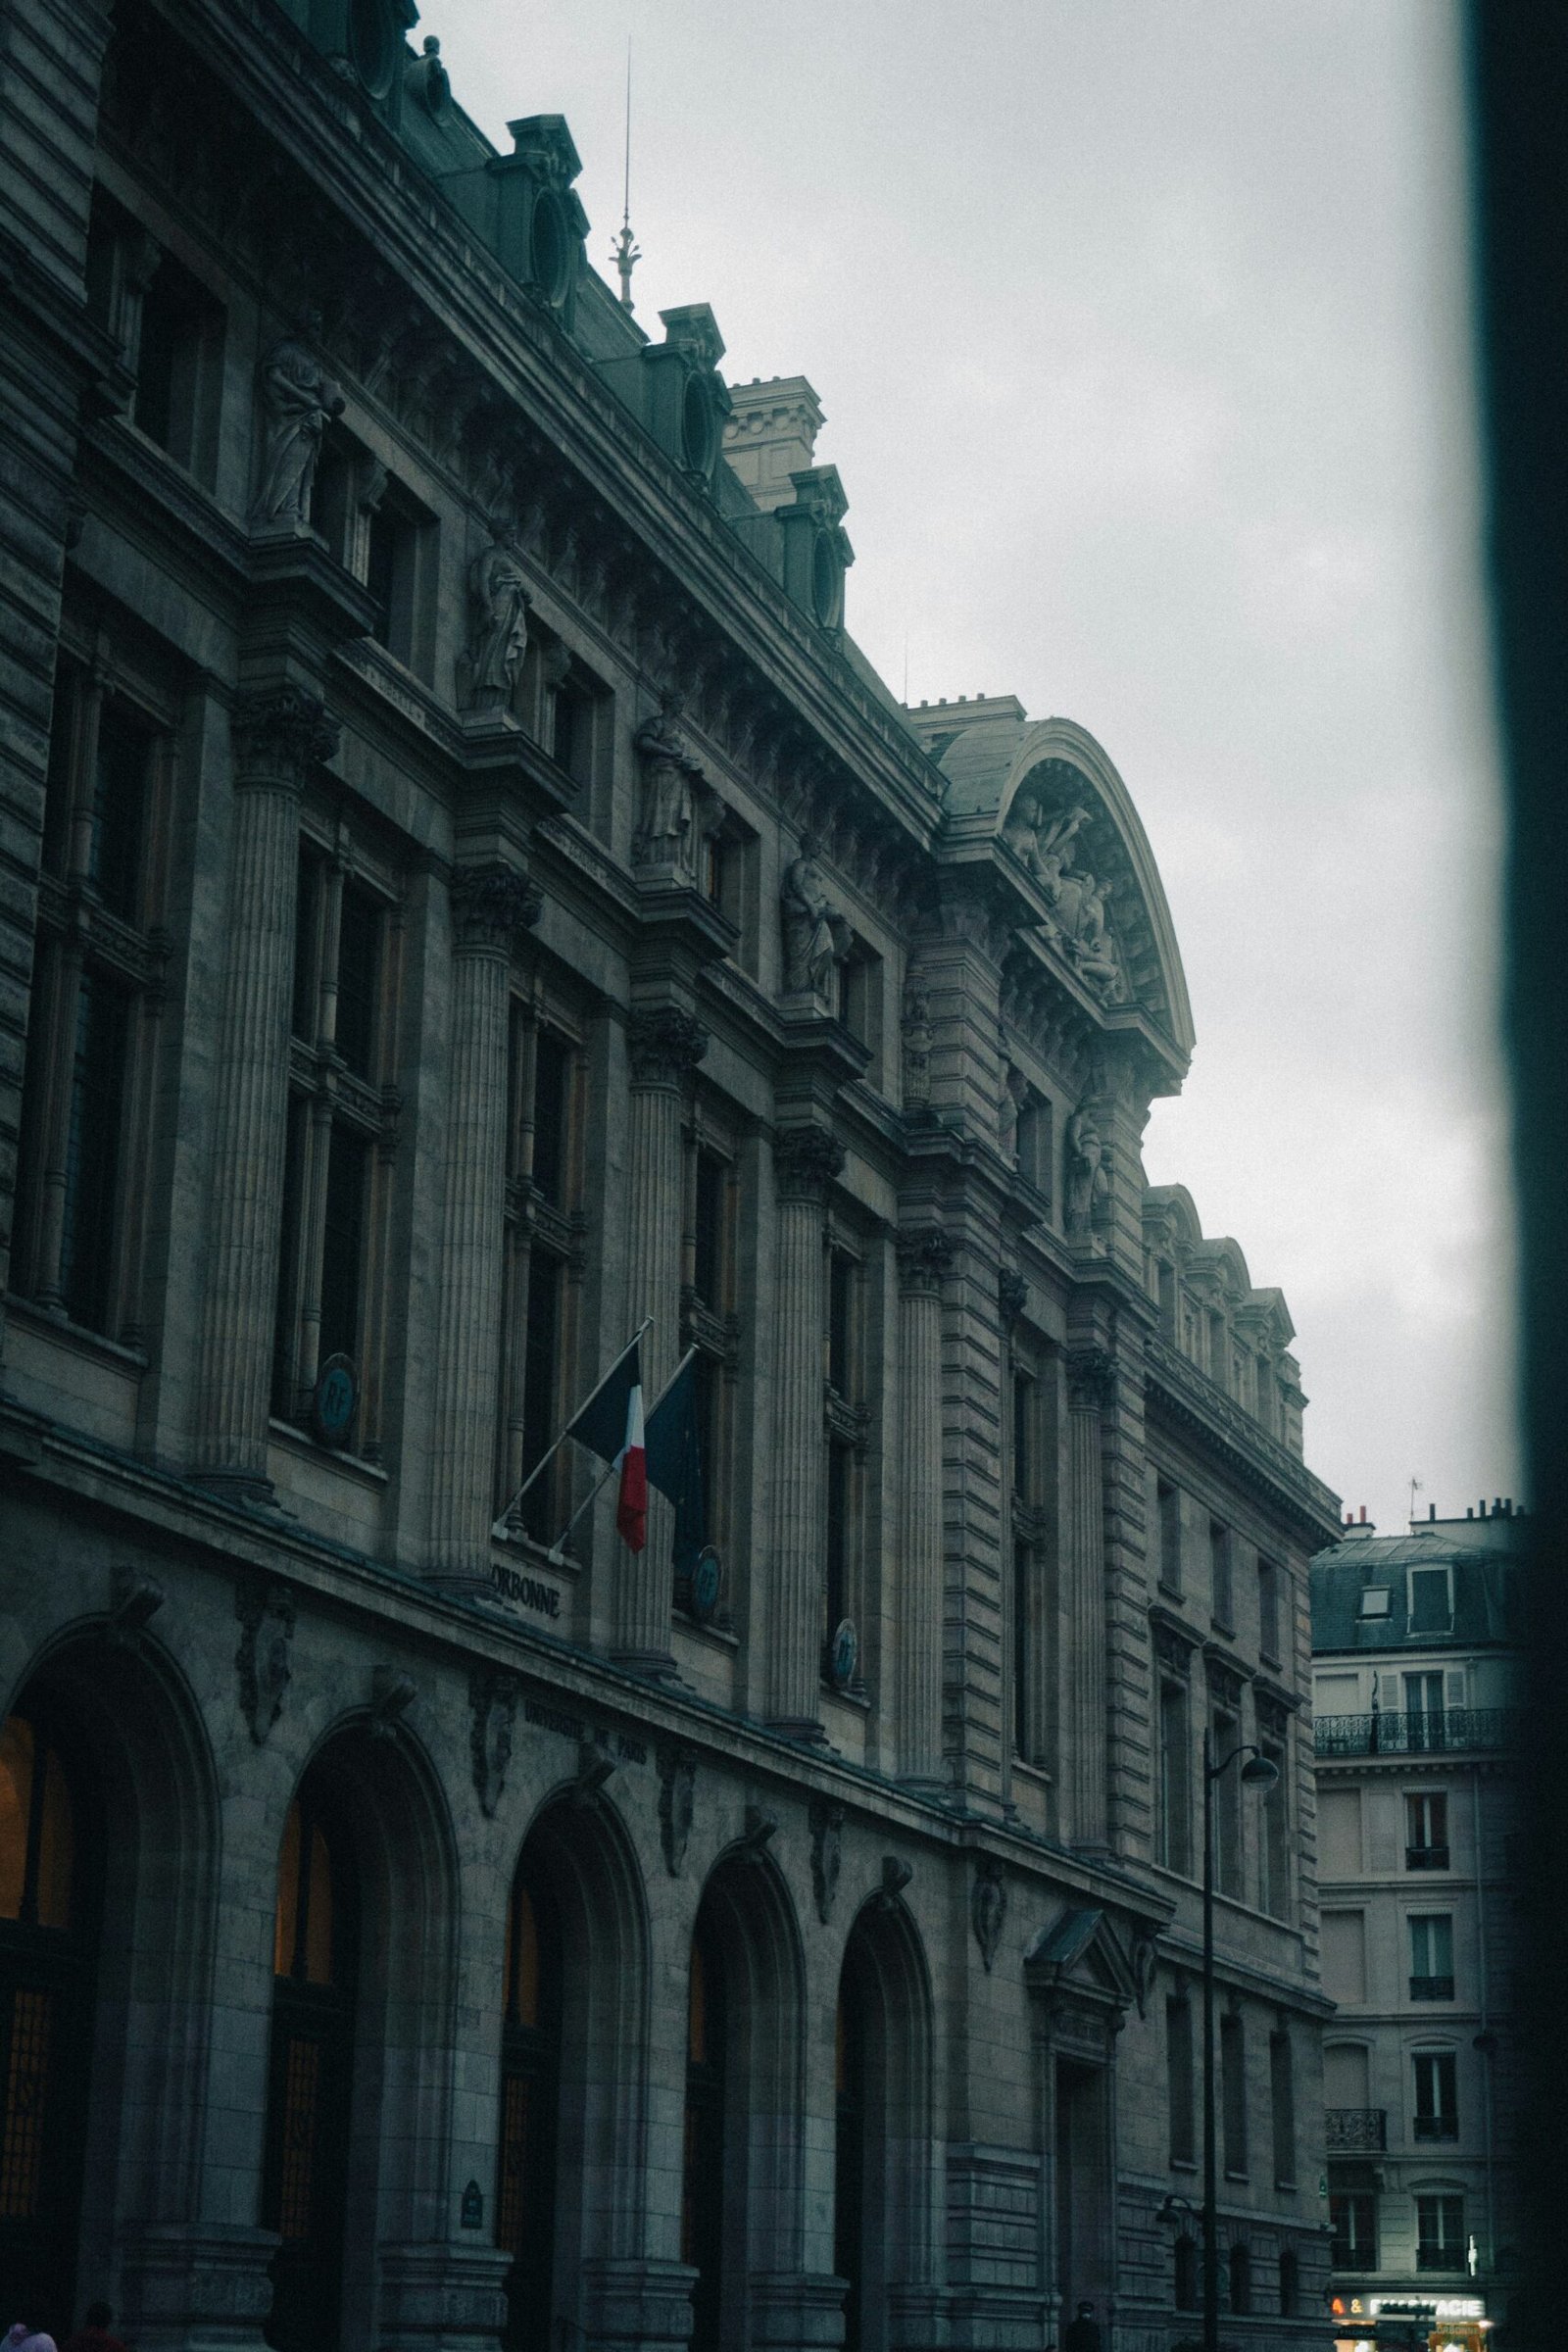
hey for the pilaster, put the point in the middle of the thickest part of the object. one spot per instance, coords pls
(636, 2304)
(195, 2286)
(806, 1159)
(924, 1258)
(1083, 1566)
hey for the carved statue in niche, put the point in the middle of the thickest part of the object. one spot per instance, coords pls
(1010, 1105)
(816, 938)
(1088, 1184)
(299, 400)
(267, 1616)
(1077, 898)
(667, 833)
(498, 611)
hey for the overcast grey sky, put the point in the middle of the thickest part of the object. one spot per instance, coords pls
(1140, 330)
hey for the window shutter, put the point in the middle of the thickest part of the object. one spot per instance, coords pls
(1453, 1687)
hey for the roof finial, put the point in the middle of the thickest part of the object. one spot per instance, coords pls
(625, 253)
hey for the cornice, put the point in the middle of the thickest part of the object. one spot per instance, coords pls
(1253, 1457)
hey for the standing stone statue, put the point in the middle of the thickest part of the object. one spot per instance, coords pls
(299, 400)
(815, 937)
(671, 773)
(1087, 1186)
(497, 605)
(1009, 1104)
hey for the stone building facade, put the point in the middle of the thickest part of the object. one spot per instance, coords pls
(1416, 1681)
(466, 895)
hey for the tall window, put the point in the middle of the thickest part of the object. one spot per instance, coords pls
(1179, 2076)
(1426, 1831)
(1274, 1849)
(1282, 2101)
(180, 367)
(1175, 1777)
(530, 2080)
(1290, 2284)
(342, 1127)
(1269, 1609)
(1222, 1599)
(543, 1262)
(1241, 2269)
(1232, 2093)
(1024, 1450)
(851, 2055)
(1439, 2241)
(1431, 1602)
(1354, 2221)
(1188, 2281)
(1168, 1522)
(702, 2209)
(848, 1430)
(710, 1324)
(83, 1176)
(1436, 2097)
(1432, 1956)
(1224, 1734)
(1423, 1713)
(306, 2149)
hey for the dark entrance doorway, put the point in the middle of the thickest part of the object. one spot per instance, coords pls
(310, 2073)
(50, 1900)
(701, 2219)
(530, 2106)
(1083, 2187)
(849, 2145)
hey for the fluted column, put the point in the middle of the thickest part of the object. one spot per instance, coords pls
(923, 1260)
(279, 736)
(664, 1046)
(807, 1161)
(490, 904)
(1088, 1375)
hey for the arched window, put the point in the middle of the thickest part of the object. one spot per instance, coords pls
(1241, 2280)
(1187, 2282)
(530, 2102)
(848, 2147)
(305, 2159)
(1289, 2285)
(701, 2221)
(48, 1938)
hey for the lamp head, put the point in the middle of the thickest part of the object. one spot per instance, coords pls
(1260, 1771)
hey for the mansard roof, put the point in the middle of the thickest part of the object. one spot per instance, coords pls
(1169, 1211)
(1006, 771)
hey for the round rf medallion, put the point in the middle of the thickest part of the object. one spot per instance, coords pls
(843, 1655)
(335, 1399)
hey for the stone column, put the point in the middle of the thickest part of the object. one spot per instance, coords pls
(806, 1159)
(279, 736)
(923, 1260)
(664, 1046)
(1089, 1377)
(490, 904)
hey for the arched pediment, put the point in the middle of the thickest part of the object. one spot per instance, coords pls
(1050, 796)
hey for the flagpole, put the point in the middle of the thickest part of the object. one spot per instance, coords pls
(611, 1468)
(499, 1527)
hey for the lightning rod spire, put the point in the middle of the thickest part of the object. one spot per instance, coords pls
(625, 253)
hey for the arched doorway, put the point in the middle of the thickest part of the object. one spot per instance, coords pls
(50, 1902)
(702, 2211)
(852, 2057)
(881, 2176)
(315, 1953)
(530, 2100)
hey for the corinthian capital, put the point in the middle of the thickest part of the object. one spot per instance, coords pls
(491, 905)
(664, 1045)
(1091, 1379)
(924, 1257)
(279, 735)
(807, 1159)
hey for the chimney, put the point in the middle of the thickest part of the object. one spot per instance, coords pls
(770, 433)
(1432, 1510)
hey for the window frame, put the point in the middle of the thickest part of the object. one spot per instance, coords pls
(543, 1236)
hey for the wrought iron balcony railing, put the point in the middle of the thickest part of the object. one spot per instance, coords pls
(1426, 1857)
(1356, 2131)
(1430, 1988)
(1454, 1731)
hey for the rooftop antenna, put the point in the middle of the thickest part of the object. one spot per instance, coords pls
(625, 253)
(1416, 1489)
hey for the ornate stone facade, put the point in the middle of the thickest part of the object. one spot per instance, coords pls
(465, 903)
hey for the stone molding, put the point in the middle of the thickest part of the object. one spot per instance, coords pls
(807, 1161)
(1091, 1379)
(988, 1907)
(262, 1662)
(1012, 1295)
(677, 1794)
(493, 1705)
(924, 1257)
(664, 1045)
(279, 734)
(827, 1854)
(490, 906)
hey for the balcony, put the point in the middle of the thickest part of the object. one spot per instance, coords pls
(1426, 1857)
(1455, 1730)
(1430, 1988)
(1356, 2131)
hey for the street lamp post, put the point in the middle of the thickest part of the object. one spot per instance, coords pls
(1256, 1773)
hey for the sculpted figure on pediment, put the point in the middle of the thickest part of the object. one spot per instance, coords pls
(665, 833)
(498, 604)
(816, 938)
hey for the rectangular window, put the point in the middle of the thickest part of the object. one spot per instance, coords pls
(1338, 1833)
(1282, 2097)
(343, 1255)
(1424, 1727)
(551, 1079)
(1268, 1610)
(178, 368)
(1426, 1831)
(1175, 1778)
(1429, 1600)
(841, 1322)
(1233, 2094)
(1168, 1508)
(1354, 2221)
(1274, 1846)
(1023, 1466)
(398, 546)
(840, 1461)
(1179, 2079)
(1023, 1727)
(1344, 1955)
(1431, 1956)
(1227, 1807)
(709, 1251)
(1223, 1600)
(1440, 2239)
(1436, 2098)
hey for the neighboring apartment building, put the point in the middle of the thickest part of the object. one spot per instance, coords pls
(1414, 1693)
(464, 894)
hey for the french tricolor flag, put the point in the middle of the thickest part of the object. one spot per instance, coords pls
(631, 1507)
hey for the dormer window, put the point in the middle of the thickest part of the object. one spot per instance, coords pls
(1431, 1601)
(1375, 1602)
